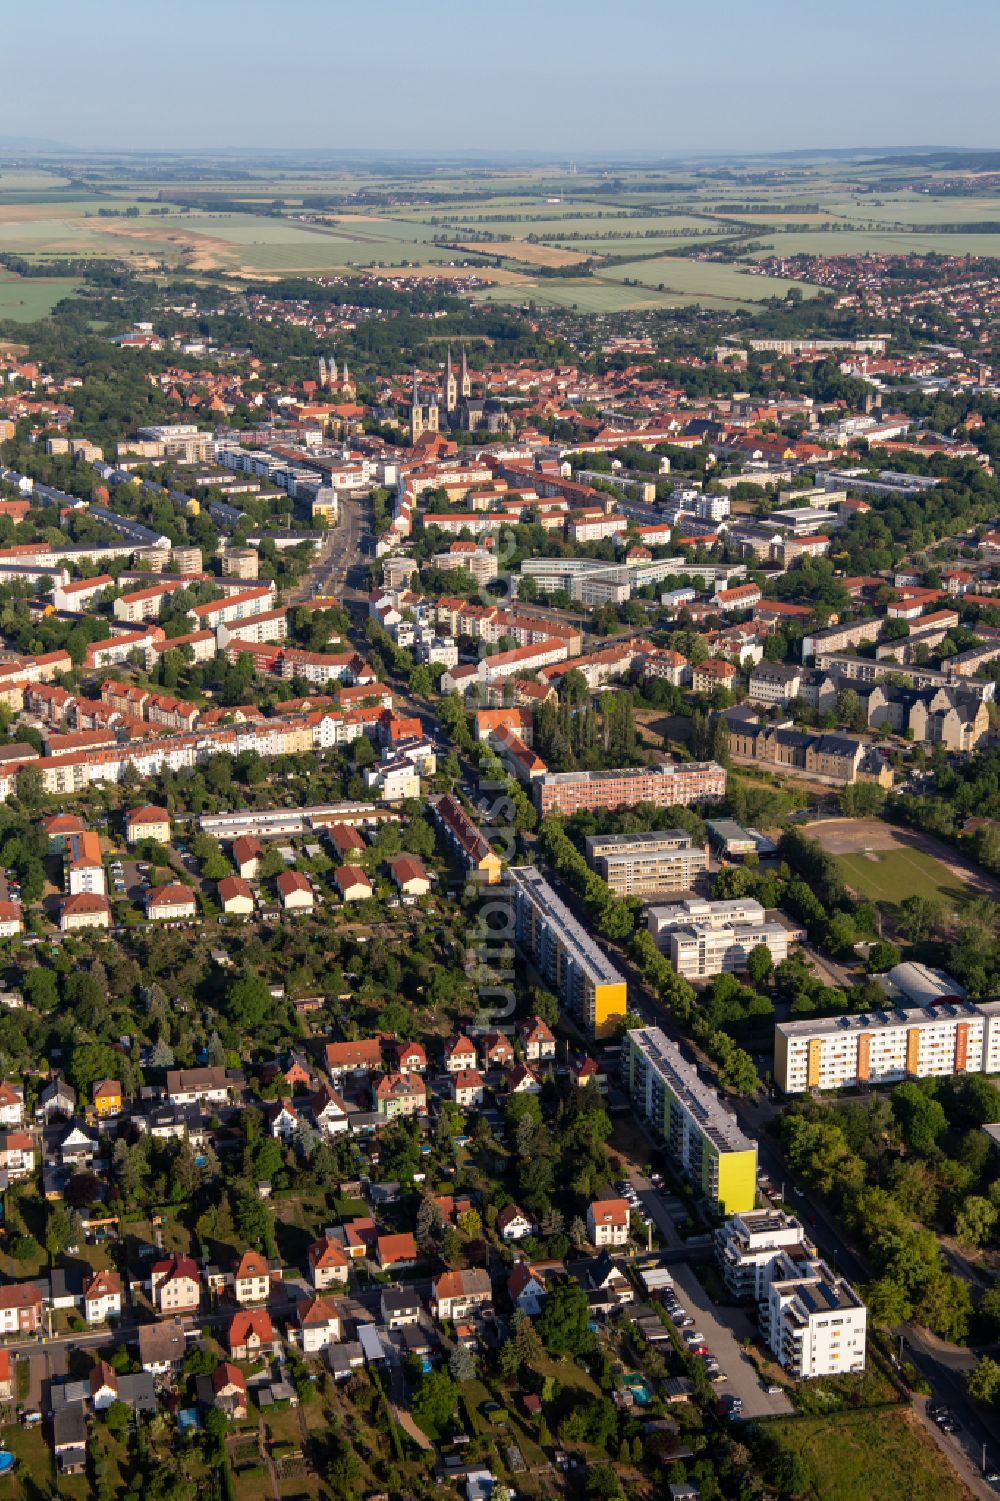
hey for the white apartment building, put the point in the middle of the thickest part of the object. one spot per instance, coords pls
(884, 1047)
(775, 683)
(748, 1248)
(647, 864)
(814, 1321)
(704, 938)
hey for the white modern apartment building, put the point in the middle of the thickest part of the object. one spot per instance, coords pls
(704, 938)
(647, 864)
(814, 1322)
(884, 1047)
(748, 1248)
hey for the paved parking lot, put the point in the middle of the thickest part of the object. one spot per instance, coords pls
(723, 1330)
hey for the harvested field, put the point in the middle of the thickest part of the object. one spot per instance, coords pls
(524, 250)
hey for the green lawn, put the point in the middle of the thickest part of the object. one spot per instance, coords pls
(889, 876)
(869, 1456)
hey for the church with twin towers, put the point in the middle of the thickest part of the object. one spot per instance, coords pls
(461, 410)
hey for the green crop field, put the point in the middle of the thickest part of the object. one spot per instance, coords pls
(704, 278)
(29, 298)
(862, 241)
(869, 1456)
(889, 876)
(588, 296)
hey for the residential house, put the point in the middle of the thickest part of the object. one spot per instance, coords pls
(247, 854)
(400, 1307)
(320, 1325)
(526, 1288)
(328, 1111)
(396, 1250)
(514, 1224)
(468, 1088)
(362, 1056)
(6, 1377)
(11, 919)
(175, 1285)
(147, 823)
(251, 1279)
(295, 891)
(229, 1391)
(162, 1347)
(171, 903)
(459, 1054)
(537, 1039)
(283, 1119)
(400, 1094)
(521, 1080)
(102, 1298)
(106, 1098)
(17, 1154)
(211, 1085)
(410, 1058)
(250, 1333)
(608, 1222)
(457, 1295)
(352, 883)
(11, 1104)
(87, 909)
(496, 1050)
(57, 1101)
(235, 896)
(69, 1439)
(103, 1386)
(20, 1308)
(409, 875)
(328, 1264)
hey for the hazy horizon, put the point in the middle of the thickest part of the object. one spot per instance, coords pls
(557, 81)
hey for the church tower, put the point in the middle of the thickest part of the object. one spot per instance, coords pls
(416, 412)
(465, 384)
(450, 385)
(322, 371)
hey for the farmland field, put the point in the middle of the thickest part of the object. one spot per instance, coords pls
(709, 278)
(24, 300)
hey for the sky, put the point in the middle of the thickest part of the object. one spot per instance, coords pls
(565, 78)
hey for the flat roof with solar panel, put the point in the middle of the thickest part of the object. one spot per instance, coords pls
(700, 1101)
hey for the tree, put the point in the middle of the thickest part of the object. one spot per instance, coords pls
(41, 989)
(248, 1001)
(983, 1382)
(60, 1230)
(919, 916)
(759, 963)
(435, 1401)
(563, 1325)
(462, 1364)
(921, 1117)
(976, 1220)
(118, 1417)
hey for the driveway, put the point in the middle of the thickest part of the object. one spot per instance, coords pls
(723, 1330)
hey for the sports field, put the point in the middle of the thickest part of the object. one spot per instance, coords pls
(890, 876)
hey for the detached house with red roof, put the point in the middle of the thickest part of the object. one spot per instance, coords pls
(514, 1224)
(400, 1095)
(328, 1264)
(468, 1088)
(295, 891)
(250, 1333)
(396, 1251)
(251, 1279)
(102, 1298)
(17, 1154)
(175, 1285)
(608, 1222)
(11, 1103)
(496, 1050)
(20, 1308)
(319, 1325)
(459, 1054)
(537, 1039)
